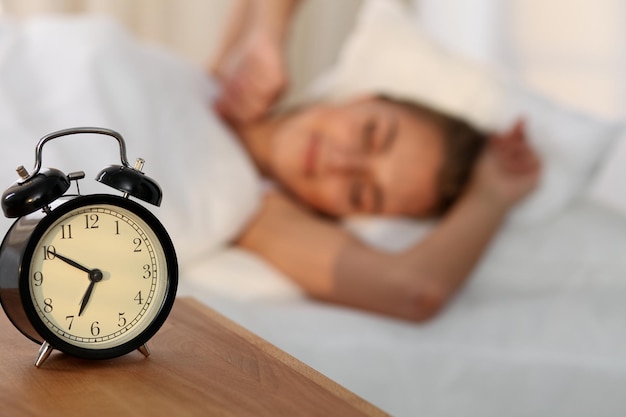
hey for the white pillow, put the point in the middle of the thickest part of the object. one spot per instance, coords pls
(388, 53)
(607, 187)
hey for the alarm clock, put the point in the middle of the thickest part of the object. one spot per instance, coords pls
(93, 276)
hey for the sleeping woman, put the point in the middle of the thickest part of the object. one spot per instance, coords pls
(372, 156)
(367, 155)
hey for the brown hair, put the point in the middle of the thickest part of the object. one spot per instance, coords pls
(462, 144)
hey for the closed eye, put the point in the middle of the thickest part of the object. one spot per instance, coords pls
(356, 196)
(365, 197)
(368, 136)
(390, 135)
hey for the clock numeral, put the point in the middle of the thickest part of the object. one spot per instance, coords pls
(95, 329)
(138, 298)
(146, 271)
(117, 227)
(137, 242)
(71, 320)
(91, 221)
(37, 279)
(49, 253)
(66, 231)
(47, 305)
(121, 320)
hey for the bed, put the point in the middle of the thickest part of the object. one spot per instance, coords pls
(539, 329)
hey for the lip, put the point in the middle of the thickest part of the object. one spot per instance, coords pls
(310, 155)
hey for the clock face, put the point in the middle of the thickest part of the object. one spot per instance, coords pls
(98, 276)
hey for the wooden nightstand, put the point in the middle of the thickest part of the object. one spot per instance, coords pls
(202, 364)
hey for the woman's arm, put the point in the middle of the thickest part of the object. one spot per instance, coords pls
(238, 23)
(330, 264)
(250, 62)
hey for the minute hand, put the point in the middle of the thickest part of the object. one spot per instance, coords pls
(73, 263)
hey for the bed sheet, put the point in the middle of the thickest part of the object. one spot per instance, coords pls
(538, 330)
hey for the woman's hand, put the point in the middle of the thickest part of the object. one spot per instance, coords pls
(251, 64)
(253, 76)
(508, 170)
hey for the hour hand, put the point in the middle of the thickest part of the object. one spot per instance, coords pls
(73, 263)
(95, 275)
(86, 297)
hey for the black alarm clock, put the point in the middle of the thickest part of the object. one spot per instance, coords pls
(93, 276)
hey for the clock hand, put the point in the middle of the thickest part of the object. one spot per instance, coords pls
(83, 302)
(73, 263)
(95, 275)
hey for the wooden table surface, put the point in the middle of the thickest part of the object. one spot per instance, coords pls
(202, 364)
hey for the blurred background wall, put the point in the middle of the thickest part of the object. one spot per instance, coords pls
(193, 28)
(573, 51)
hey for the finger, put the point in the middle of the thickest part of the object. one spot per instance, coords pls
(518, 132)
(494, 143)
(239, 108)
(218, 107)
(522, 166)
(260, 99)
(251, 90)
(264, 92)
(520, 161)
(236, 102)
(268, 87)
(516, 142)
(508, 152)
(222, 103)
(226, 109)
(253, 104)
(515, 134)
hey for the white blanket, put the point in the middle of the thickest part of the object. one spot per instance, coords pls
(63, 72)
(537, 331)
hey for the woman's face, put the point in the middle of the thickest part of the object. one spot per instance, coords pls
(366, 156)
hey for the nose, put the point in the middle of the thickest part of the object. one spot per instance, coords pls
(346, 161)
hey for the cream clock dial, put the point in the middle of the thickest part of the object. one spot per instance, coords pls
(95, 276)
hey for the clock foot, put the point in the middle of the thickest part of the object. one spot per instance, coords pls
(144, 350)
(44, 351)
